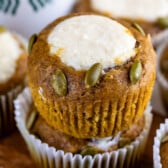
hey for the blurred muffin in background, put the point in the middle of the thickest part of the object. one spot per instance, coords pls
(150, 14)
(13, 56)
(162, 72)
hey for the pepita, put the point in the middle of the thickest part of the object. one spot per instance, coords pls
(123, 142)
(164, 139)
(32, 40)
(139, 28)
(93, 75)
(162, 22)
(59, 83)
(2, 29)
(89, 151)
(31, 119)
(135, 71)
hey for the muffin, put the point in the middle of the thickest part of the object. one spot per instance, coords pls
(162, 72)
(89, 86)
(67, 80)
(160, 147)
(49, 147)
(13, 57)
(151, 15)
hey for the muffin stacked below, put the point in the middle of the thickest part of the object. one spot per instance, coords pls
(151, 15)
(91, 79)
(12, 74)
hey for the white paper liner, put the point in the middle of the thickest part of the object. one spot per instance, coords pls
(7, 110)
(50, 157)
(160, 133)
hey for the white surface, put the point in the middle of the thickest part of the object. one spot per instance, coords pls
(148, 10)
(27, 21)
(9, 53)
(84, 40)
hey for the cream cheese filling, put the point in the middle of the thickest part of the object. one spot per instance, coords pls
(9, 54)
(83, 40)
(148, 10)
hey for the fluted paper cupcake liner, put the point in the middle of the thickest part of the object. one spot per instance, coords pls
(7, 122)
(160, 133)
(50, 157)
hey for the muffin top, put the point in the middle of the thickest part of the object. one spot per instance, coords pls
(147, 10)
(12, 56)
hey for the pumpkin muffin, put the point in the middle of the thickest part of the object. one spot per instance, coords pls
(54, 149)
(13, 57)
(91, 79)
(151, 15)
(91, 76)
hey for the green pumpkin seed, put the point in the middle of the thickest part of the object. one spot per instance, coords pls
(59, 83)
(93, 75)
(164, 139)
(89, 151)
(139, 28)
(123, 142)
(2, 29)
(31, 119)
(162, 22)
(32, 40)
(135, 71)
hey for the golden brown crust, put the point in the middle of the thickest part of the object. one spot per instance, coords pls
(101, 111)
(20, 72)
(149, 27)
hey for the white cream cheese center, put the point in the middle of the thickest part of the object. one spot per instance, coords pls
(9, 53)
(149, 10)
(83, 40)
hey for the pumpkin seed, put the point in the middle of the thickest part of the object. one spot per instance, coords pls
(89, 150)
(31, 119)
(123, 142)
(32, 40)
(162, 22)
(59, 83)
(139, 28)
(2, 29)
(93, 75)
(164, 139)
(135, 71)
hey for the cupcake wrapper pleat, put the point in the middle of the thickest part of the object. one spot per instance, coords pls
(49, 157)
(160, 133)
(7, 123)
